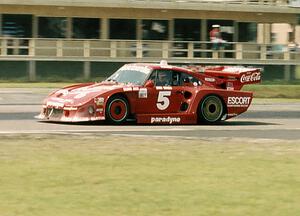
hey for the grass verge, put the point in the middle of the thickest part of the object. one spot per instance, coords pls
(274, 91)
(34, 85)
(67, 175)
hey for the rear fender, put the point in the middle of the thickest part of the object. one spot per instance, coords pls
(235, 102)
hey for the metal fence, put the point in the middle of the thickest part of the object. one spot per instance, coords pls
(250, 2)
(151, 51)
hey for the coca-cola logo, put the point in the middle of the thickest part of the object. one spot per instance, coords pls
(250, 77)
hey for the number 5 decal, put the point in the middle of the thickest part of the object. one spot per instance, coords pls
(163, 101)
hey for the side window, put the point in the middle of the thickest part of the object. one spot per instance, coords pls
(187, 79)
(175, 78)
(153, 76)
(172, 78)
(163, 78)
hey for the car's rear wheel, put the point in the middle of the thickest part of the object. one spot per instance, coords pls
(211, 109)
(117, 110)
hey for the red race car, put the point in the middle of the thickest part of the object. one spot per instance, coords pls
(156, 94)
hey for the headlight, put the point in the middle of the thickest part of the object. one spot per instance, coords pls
(91, 110)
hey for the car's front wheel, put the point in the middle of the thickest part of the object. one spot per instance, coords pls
(117, 110)
(210, 109)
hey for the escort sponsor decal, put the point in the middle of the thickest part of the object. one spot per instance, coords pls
(250, 77)
(238, 101)
(168, 119)
(143, 93)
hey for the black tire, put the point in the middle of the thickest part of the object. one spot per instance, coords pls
(117, 110)
(210, 110)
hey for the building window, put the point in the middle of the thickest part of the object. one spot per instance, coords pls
(122, 29)
(15, 25)
(155, 29)
(86, 28)
(247, 32)
(52, 27)
(187, 29)
(226, 29)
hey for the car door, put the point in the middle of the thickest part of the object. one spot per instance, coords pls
(162, 98)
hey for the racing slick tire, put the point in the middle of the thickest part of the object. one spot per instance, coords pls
(117, 110)
(210, 110)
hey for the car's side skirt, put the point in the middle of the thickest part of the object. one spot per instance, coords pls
(168, 118)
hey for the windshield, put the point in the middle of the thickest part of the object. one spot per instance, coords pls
(130, 74)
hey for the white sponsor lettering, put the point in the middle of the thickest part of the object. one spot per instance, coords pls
(58, 99)
(54, 104)
(237, 69)
(143, 93)
(168, 119)
(80, 95)
(229, 86)
(250, 77)
(208, 79)
(167, 87)
(163, 87)
(125, 89)
(238, 101)
(70, 108)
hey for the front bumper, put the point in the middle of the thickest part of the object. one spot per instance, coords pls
(68, 115)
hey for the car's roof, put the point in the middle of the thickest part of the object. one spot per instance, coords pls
(162, 66)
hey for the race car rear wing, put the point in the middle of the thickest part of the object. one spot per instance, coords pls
(231, 77)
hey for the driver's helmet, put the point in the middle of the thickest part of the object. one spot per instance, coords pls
(162, 76)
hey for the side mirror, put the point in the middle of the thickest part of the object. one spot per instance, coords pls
(149, 84)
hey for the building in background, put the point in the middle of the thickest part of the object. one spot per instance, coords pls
(91, 38)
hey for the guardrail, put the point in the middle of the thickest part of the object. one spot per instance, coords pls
(136, 50)
(145, 2)
(248, 2)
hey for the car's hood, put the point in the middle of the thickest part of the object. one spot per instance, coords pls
(80, 94)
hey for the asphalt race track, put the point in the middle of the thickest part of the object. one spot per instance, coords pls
(265, 119)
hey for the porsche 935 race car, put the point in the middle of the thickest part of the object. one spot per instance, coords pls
(156, 94)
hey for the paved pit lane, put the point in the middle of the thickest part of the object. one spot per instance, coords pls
(266, 119)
